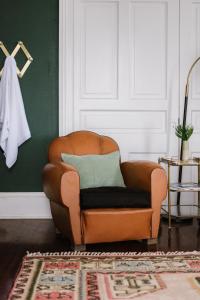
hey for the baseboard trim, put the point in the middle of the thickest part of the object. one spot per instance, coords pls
(24, 205)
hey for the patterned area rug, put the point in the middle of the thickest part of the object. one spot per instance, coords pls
(108, 276)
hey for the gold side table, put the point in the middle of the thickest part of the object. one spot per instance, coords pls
(181, 186)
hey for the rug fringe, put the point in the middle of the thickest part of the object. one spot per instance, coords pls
(100, 254)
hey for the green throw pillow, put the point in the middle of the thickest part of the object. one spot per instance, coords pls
(96, 170)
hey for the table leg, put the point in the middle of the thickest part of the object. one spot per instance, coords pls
(198, 192)
(169, 199)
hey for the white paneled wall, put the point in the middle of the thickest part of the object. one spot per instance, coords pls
(189, 52)
(124, 81)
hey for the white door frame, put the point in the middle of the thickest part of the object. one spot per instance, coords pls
(66, 63)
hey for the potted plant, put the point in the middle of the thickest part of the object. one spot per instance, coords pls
(184, 133)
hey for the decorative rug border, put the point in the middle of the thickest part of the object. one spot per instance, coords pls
(103, 254)
(32, 258)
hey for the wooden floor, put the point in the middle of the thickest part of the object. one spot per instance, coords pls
(19, 236)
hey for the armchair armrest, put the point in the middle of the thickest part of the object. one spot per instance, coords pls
(150, 177)
(61, 184)
(137, 174)
(56, 177)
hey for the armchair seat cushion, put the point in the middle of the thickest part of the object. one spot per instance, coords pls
(114, 197)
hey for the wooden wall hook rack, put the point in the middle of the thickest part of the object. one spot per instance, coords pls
(19, 46)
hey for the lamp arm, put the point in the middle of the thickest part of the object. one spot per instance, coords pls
(184, 124)
(188, 77)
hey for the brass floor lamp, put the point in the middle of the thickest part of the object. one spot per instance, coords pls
(184, 123)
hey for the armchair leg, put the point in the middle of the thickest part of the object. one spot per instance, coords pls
(57, 231)
(152, 242)
(81, 247)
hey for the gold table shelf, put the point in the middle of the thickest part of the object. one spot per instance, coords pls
(173, 161)
(185, 187)
(181, 186)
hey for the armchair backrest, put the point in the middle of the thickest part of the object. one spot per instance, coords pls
(81, 143)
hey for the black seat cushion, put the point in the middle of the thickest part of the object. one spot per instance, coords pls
(114, 197)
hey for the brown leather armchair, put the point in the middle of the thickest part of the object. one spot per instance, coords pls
(61, 186)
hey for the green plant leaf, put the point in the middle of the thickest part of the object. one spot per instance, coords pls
(184, 132)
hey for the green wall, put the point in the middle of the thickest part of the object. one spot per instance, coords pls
(36, 24)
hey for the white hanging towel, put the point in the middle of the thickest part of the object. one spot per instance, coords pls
(14, 129)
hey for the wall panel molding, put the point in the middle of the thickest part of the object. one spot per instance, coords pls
(148, 49)
(98, 51)
(66, 65)
(195, 120)
(124, 121)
